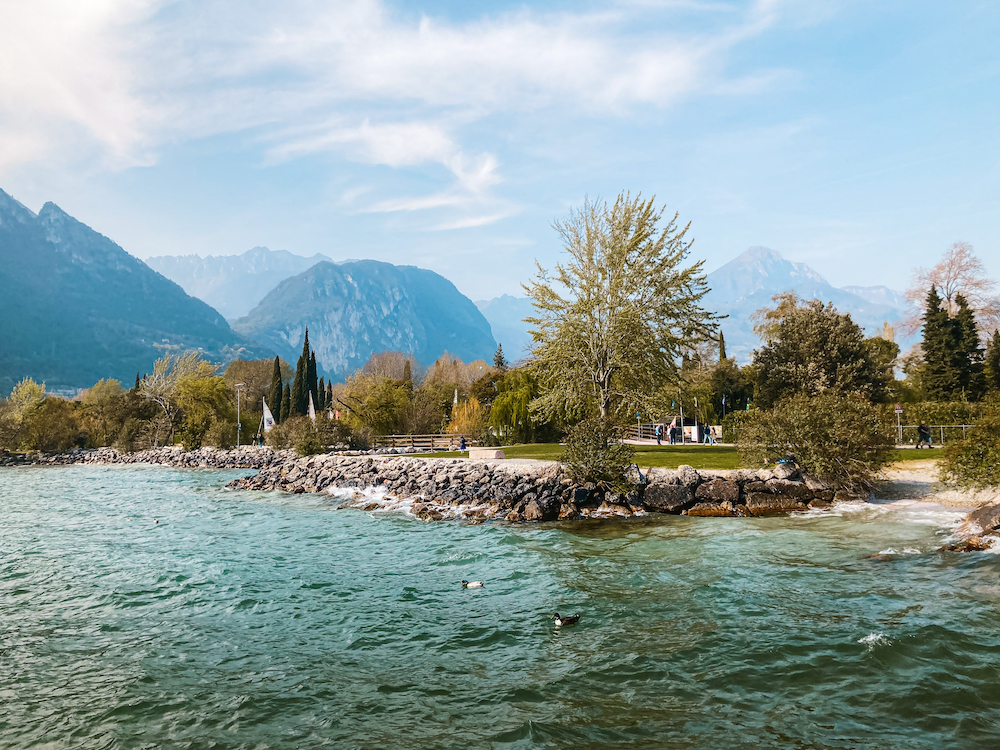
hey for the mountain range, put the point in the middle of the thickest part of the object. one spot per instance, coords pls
(356, 308)
(738, 289)
(76, 307)
(233, 284)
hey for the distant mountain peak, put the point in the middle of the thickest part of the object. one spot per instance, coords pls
(15, 208)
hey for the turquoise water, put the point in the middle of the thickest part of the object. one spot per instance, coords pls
(261, 620)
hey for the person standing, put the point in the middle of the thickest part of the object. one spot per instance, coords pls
(924, 435)
(659, 434)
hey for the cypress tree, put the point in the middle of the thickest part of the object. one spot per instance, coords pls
(407, 373)
(286, 402)
(329, 395)
(321, 395)
(991, 365)
(312, 386)
(722, 346)
(137, 381)
(274, 395)
(298, 392)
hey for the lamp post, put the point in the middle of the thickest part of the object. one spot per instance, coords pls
(239, 426)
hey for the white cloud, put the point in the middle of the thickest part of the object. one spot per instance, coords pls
(112, 81)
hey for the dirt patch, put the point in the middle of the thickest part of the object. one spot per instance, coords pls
(919, 480)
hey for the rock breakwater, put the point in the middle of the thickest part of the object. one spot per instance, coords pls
(244, 457)
(439, 488)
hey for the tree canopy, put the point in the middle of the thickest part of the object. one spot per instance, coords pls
(812, 349)
(612, 321)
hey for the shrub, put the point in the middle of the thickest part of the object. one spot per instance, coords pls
(221, 434)
(732, 424)
(975, 462)
(595, 453)
(842, 440)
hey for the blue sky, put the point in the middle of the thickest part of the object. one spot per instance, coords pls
(859, 137)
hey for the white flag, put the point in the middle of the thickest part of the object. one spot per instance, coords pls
(268, 418)
(312, 409)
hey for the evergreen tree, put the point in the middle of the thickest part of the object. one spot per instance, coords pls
(407, 373)
(722, 347)
(312, 385)
(274, 395)
(286, 403)
(321, 395)
(137, 382)
(991, 366)
(969, 354)
(499, 361)
(298, 393)
(329, 395)
(940, 373)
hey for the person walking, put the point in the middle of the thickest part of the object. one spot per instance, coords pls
(924, 436)
(659, 434)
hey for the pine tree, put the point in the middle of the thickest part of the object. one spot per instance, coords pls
(969, 354)
(941, 371)
(991, 365)
(137, 382)
(499, 361)
(274, 395)
(286, 402)
(722, 347)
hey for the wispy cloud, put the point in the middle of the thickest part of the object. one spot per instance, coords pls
(115, 80)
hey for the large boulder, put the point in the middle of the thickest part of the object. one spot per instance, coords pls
(718, 491)
(987, 517)
(788, 488)
(712, 509)
(668, 498)
(765, 504)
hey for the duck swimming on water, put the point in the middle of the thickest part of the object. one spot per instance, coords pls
(473, 584)
(568, 620)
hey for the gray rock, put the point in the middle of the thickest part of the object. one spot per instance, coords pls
(688, 475)
(668, 498)
(789, 488)
(718, 490)
(987, 517)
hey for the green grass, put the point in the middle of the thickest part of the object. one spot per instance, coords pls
(672, 456)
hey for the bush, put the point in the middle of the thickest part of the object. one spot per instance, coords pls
(732, 424)
(595, 453)
(975, 462)
(842, 440)
(221, 434)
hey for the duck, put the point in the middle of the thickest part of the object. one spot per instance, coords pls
(473, 584)
(568, 620)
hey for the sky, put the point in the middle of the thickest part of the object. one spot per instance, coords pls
(857, 136)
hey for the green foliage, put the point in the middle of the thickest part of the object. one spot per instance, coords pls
(952, 367)
(733, 423)
(840, 439)
(53, 426)
(221, 433)
(594, 453)
(202, 397)
(975, 462)
(812, 349)
(104, 409)
(276, 391)
(499, 361)
(611, 323)
(991, 365)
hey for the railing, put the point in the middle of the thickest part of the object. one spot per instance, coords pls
(648, 432)
(424, 442)
(940, 433)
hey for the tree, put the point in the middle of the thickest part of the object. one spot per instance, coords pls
(612, 322)
(952, 365)
(274, 396)
(499, 361)
(312, 384)
(991, 365)
(960, 272)
(286, 403)
(203, 397)
(970, 353)
(104, 407)
(722, 347)
(812, 349)
(389, 364)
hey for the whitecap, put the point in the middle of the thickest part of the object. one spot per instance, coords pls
(872, 640)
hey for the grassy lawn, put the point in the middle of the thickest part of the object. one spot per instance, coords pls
(672, 456)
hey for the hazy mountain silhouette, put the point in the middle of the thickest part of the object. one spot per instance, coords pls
(76, 307)
(357, 308)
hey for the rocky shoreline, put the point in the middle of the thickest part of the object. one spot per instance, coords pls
(518, 492)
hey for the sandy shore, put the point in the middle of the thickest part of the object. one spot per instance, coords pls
(919, 480)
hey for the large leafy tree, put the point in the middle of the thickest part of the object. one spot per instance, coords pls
(612, 322)
(811, 349)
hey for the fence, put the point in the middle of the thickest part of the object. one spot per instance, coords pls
(940, 433)
(423, 442)
(648, 432)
